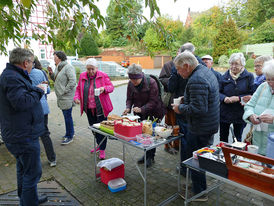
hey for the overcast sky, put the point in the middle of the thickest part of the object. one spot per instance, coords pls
(175, 10)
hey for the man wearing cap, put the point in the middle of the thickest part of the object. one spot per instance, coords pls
(208, 60)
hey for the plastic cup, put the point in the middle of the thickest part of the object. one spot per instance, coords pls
(96, 92)
(177, 101)
(45, 87)
(252, 149)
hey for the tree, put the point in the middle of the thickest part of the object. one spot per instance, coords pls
(152, 41)
(88, 46)
(15, 15)
(227, 38)
(264, 33)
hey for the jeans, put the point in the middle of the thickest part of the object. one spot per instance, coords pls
(196, 142)
(68, 123)
(29, 170)
(93, 119)
(237, 128)
(46, 140)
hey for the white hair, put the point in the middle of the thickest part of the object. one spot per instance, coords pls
(187, 47)
(263, 59)
(92, 62)
(235, 57)
(268, 68)
(186, 58)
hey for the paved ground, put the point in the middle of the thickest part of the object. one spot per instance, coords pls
(75, 171)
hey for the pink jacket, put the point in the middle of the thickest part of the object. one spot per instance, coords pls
(101, 80)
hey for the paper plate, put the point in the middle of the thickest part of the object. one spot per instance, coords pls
(131, 117)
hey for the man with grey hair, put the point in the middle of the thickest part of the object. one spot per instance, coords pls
(21, 118)
(201, 109)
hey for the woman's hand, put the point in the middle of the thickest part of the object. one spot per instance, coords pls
(102, 89)
(77, 101)
(227, 100)
(126, 111)
(267, 118)
(247, 98)
(254, 119)
(50, 70)
(234, 99)
(136, 109)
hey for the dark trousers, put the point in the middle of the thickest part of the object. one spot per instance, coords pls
(196, 142)
(93, 119)
(237, 129)
(68, 123)
(29, 170)
(46, 140)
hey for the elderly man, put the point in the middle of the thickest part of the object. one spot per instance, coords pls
(208, 60)
(22, 123)
(201, 108)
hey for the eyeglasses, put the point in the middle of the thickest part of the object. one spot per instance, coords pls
(258, 66)
(33, 62)
(235, 65)
(270, 80)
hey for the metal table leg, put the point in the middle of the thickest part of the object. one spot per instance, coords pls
(145, 178)
(186, 193)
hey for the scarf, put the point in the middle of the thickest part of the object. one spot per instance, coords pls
(236, 76)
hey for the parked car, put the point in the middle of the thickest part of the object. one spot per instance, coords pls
(112, 68)
(125, 63)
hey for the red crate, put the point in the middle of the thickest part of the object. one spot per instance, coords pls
(106, 175)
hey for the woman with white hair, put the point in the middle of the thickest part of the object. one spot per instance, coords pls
(96, 107)
(260, 108)
(236, 83)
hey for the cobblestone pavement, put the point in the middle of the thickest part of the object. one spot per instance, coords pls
(75, 171)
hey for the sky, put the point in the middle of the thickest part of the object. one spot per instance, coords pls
(175, 10)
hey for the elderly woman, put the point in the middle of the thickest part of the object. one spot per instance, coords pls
(237, 82)
(260, 108)
(143, 99)
(96, 107)
(64, 87)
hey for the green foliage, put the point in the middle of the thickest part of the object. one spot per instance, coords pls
(152, 41)
(88, 46)
(203, 50)
(249, 64)
(231, 51)
(78, 72)
(223, 61)
(264, 33)
(227, 38)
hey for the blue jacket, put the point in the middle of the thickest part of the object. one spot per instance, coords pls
(218, 75)
(22, 118)
(37, 76)
(201, 102)
(233, 113)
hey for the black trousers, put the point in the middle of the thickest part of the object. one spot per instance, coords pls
(237, 129)
(46, 140)
(93, 119)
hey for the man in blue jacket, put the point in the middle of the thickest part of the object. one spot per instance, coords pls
(201, 108)
(21, 118)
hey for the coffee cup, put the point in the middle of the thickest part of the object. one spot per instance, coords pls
(97, 92)
(252, 149)
(45, 86)
(177, 100)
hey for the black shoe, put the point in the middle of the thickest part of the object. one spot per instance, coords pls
(43, 198)
(150, 160)
(141, 160)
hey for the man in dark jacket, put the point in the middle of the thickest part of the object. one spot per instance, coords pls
(208, 60)
(22, 123)
(201, 108)
(143, 99)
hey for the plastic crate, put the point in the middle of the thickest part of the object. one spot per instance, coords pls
(117, 185)
(106, 175)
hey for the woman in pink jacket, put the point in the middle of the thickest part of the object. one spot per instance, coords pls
(92, 93)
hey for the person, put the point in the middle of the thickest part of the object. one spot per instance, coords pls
(255, 110)
(64, 87)
(260, 78)
(170, 118)
(208, 60)
(191, 48)
(96, 108)
(201, 108)
(237, 82)
(38, 77)
(22, 123)
(143, 99)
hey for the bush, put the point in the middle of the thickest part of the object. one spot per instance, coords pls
(223, 61)
(78, 72)
(88, 46)
(249, 64)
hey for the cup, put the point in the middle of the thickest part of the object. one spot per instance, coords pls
(97, 92)
(177, 100)
(252, 149)
(45, 87)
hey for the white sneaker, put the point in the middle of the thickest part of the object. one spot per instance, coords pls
(53, 163)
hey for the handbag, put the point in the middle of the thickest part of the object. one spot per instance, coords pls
(249, 136)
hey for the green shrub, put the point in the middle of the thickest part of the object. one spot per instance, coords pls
(88, 46)
(78, 72)
(231, 51)
(223, 61)
(249, 64)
